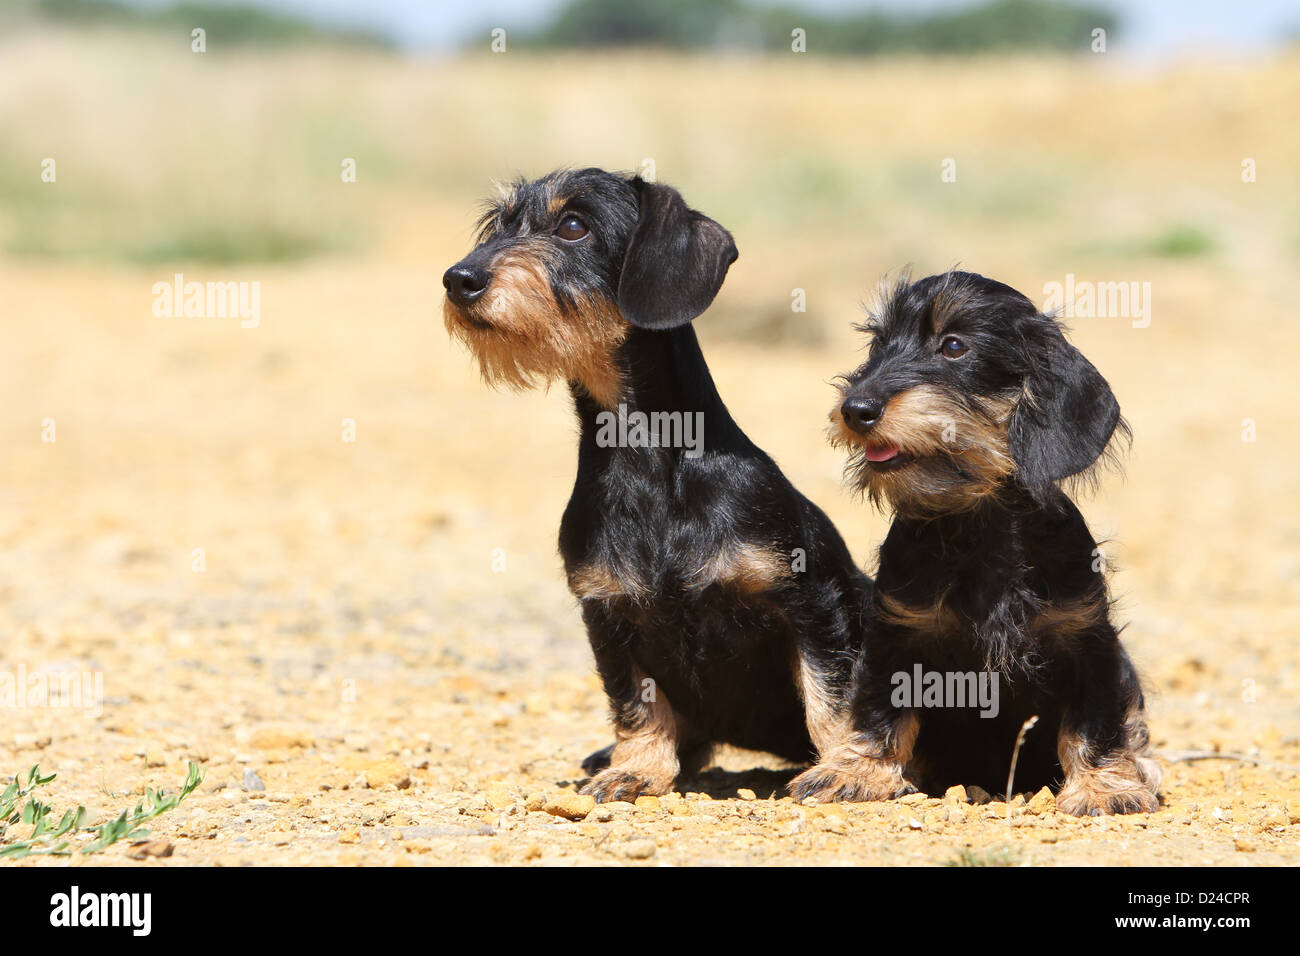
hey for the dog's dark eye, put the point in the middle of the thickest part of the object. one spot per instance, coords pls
(952, 347)
(571, 228)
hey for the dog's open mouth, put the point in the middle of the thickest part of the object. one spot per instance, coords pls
(885, 457)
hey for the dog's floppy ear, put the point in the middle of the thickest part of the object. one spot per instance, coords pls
(675, 261)
(1067, 415)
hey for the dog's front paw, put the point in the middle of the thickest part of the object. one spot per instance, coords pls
(617, 784)
(1123, 788)
(864, 780)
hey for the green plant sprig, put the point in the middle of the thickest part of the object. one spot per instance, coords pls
(46, 838)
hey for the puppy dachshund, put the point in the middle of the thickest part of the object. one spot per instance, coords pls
(970, 412)
(721, 605)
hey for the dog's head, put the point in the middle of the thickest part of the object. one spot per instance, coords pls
(966, 390)
(565, 266)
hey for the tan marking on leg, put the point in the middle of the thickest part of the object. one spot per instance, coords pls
(644, 760)
(938, 618)
(749, 568)
(1123, 782)
(863, 768)
(1067, 619)
(601, 582)
(825, 713)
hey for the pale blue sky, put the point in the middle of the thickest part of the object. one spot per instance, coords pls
(1154, 27)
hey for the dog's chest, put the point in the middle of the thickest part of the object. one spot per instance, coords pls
(994, 601)
(659, 532)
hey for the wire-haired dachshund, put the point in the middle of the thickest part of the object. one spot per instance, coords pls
(969, 413)
(722, 606)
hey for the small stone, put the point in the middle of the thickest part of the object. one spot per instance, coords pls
(957, 793)
(570, 806)
(602, 813)
(350, 836)
(147, 848)
(499, 798)
(534, 801)
(251, 780)
(270, 739)
(1041, 802)
(978, 794)
(639, 849)
(388, 772)
(746, 794)
(1243, 846)
(648, 803)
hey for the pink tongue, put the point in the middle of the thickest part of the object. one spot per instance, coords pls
(881, 454)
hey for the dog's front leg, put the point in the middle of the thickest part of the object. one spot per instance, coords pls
(863, 748)
(648, 732)
(1103, 737)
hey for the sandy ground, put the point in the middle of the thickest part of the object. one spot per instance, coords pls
(349, 642)
(377, 630)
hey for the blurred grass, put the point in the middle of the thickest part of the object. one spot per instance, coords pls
(827, 169)
(225, 23)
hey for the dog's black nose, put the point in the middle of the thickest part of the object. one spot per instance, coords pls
(861, 413)
(464, 284)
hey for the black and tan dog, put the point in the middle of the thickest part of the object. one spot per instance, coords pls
(721, 605)
(969, 412)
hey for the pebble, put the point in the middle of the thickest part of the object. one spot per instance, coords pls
(957, 793)
(746, 794)
(570, 806)
(388, 772)
(147, 848)
(251, 780)
(639, 849)
(269, 739)
(1041, 802)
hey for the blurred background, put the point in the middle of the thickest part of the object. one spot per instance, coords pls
(186, 508)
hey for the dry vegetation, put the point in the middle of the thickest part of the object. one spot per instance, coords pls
(349, 641)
